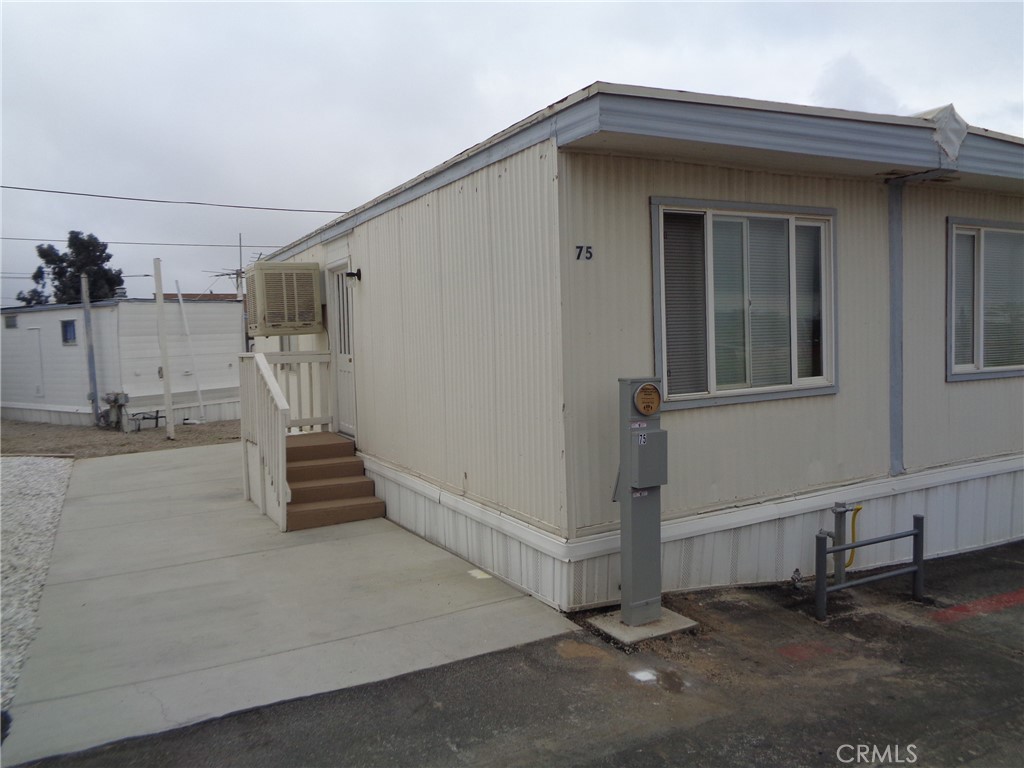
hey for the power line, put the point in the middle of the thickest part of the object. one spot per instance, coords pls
(166, 202)
(126, 242)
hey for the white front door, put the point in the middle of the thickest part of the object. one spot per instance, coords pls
(341, 350)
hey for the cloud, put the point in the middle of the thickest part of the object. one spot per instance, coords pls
(327, 105)
(847, 84)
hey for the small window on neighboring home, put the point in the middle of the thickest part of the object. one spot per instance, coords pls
(985, 306)
(10, 321)
(67, 331)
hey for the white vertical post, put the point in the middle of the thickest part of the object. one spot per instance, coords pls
(161, 326)
(90, 353)
(191, 353)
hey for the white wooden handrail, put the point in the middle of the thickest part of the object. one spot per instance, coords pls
(304, 378)
(265, 419)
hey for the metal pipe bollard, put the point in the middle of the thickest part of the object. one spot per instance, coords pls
(839, 511)
(822, 550)
(820, 576)
(919, 557)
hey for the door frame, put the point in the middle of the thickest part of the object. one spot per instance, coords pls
(336, 283)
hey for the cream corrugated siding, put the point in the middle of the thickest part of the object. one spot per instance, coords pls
(947, 422)
(458, 371)
(722, 455)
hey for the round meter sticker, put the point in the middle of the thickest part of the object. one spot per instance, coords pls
(647, 399)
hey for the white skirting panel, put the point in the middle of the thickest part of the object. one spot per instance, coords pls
(218, 410)
(965, 507)
(507, 548)
(69, 416)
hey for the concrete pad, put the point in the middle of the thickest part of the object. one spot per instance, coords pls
(181, 608)
(163, 703)
(222, 529)
(152, 470)
(669, 622)
(98, 509)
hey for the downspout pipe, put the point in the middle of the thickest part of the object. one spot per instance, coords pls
(896, 463)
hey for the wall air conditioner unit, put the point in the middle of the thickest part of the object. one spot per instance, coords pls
(283, 299)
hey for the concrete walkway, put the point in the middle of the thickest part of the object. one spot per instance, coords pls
(171, 600)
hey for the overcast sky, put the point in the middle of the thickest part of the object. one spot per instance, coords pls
(327, 105)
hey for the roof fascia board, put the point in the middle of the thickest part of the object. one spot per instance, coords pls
(660, 94)
(988, 156)
(789, 132)
(904, 142)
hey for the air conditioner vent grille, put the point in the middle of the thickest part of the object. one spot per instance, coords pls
(283, 299)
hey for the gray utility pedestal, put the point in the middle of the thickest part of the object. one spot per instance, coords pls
(643, 469)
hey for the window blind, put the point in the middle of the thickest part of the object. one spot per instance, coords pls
(1003, 324)
(685, 303)
(770, 361)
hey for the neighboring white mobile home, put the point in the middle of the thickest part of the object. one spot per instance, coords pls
(45, 366)
(832, 301)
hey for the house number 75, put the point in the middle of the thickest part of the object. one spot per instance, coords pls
(584, 252)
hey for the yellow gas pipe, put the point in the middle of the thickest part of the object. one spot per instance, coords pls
(853, 534)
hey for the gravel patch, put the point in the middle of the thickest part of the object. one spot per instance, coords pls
(31, 497)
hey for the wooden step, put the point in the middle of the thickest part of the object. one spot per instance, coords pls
(326, 489)
(327, 482)
(316, 469)
(317, 445)
(315, 514)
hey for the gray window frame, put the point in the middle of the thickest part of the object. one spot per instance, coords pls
(953, 223)
(10, 321)
(660, 204)
(63, 335)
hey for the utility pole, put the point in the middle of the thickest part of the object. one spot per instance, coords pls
(238, 274)
(90, 352)
(241, 297)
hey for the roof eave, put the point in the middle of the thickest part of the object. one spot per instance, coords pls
(871, 142)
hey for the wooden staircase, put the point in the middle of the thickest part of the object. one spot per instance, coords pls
(328, 482)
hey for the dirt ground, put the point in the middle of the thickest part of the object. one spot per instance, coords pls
(21, 438)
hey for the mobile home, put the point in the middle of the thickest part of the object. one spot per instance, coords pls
(45, 365)
(832, 302)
